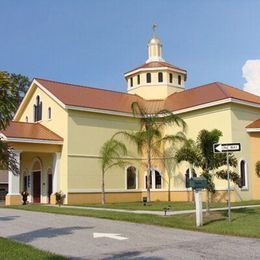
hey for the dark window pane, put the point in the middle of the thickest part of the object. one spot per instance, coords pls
(160, 77)
(179, 79)
(158, 180)
(170, 77)
(148, 78)
(138, 79)
(131, 178)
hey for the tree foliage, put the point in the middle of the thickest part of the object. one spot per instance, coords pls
(12, 88)
(111, 156)
(200, 154)
(150, 139)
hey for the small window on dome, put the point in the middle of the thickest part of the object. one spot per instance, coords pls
(138, 79)
(160, 77)
(179, 79)
(170, 77)
(148, 78)
(131, 82)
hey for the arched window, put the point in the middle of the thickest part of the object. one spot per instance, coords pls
(148, 78)
(158, 180)
(49, 112)
(138, 79)
(38, 110)
(179, 79)
(160, 77)
(26, 119)
(131, 178)
(243, 174)
(155, 180)
(170, 77)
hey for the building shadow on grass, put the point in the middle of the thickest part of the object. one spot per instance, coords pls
(46, 233)
(8, 218)
(130, 255)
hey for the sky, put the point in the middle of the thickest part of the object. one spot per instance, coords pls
(95, 42)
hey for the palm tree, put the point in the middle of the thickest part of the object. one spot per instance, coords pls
(150, 139)
(201, 155)
(111, 155)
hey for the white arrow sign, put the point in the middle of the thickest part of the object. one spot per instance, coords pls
(222, 148)
(109, 235)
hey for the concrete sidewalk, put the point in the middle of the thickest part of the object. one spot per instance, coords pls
(153, 212)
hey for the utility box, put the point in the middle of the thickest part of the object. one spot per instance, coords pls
(198, 183)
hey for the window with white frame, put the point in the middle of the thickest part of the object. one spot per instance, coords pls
(155, 180)
(131, 178)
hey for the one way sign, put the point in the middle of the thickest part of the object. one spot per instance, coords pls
(223, 148)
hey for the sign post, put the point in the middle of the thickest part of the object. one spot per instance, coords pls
(198, 183)
(226, 148)
(198, 203)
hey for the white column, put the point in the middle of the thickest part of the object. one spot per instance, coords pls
(14, 179)
(56, 169)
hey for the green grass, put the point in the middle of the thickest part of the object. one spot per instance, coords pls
(159, 205)
(10, 250)
(244, 221)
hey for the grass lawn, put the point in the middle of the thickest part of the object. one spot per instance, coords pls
(159, 205)
(10, 250)
(245, 222)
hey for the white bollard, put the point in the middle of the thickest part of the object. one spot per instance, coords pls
(198, 203)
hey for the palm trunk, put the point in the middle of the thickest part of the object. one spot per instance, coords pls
(103, 188)
(149, 176)
(169, 189)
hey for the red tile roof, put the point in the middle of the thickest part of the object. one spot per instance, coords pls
(87, 97)
(255, 124)
(30, 131)
(157, 64)
(205, 94)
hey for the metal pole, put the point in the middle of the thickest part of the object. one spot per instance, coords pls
(228, 179)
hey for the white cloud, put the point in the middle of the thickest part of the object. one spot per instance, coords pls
(251, 72)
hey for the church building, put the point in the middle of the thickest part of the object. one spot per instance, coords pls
(59, 128)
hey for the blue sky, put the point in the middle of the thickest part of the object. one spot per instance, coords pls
(95, 42)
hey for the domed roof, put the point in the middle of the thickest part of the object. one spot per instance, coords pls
(155, 40)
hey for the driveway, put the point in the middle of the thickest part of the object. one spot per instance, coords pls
(93, 238)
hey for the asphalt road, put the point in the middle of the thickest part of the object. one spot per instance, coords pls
(74, 237)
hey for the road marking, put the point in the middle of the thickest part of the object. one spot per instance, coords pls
(109, 235)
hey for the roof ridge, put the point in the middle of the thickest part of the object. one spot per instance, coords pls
(193, 88)
(84, 86)
(45, 127)
(222, 89)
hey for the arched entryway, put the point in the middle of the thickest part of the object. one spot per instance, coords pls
(36, 180)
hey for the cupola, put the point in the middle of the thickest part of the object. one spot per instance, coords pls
(156, 79)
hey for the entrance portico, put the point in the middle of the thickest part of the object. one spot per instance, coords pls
(38, 161)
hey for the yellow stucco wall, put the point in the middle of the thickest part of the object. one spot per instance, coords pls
(87, 133)
(218, 117)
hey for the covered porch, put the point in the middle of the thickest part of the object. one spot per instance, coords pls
(37, 151)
